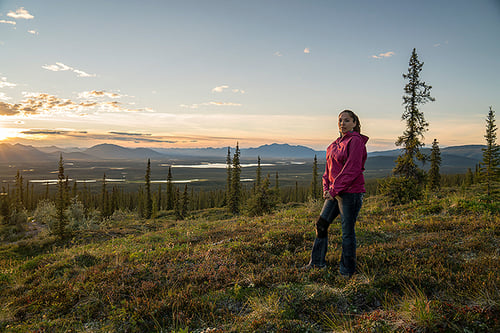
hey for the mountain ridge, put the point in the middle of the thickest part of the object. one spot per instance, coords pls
(455, 159)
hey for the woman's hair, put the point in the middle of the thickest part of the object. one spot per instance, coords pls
(351, 114)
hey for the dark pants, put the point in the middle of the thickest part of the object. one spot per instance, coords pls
(348, 206)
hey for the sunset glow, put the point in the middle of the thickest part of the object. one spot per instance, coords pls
(213, 73)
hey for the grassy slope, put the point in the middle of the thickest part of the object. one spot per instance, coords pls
(422, 267)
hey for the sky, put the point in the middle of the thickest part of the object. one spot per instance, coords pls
(216, 73)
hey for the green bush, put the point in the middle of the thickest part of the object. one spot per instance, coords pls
(46, 213)
(75, 213)
(400, 190)
(263, 201)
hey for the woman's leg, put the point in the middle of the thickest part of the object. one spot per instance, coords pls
(328, 213)
(350, 205)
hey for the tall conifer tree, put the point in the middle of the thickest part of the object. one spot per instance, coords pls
(258, 176)
(61, 201)
(490, 170)
(228, 179)
(416, 92)
(235, 194)
(148, 211)
(407, 185)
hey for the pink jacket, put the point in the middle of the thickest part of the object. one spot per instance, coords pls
(345, 163)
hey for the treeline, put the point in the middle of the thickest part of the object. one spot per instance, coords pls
(72, 205)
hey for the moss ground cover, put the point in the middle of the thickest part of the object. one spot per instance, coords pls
(427, 266)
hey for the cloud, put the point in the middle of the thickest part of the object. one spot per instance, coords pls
(220, 88)
(4, 97)
(278, 54)
(60, 67)
(96, 93)
(53, 132)
(223, 104)
(4, 83)
(7, 109)
(196, 106)
(306, 50)
(439, 44)
(225, 87)
(37, 103)
(33, 32)
(20, 13)
(59, 134)
(130, 134)
(383, 55)
(8, 22)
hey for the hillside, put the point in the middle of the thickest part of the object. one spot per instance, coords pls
(21, 153)
(110, 152)
(424, 267)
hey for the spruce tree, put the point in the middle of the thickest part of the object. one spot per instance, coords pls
(407, 183)
(4, 204)
(26, 200)
(416, 92)
(148, 211)
(140, 202)
(229, 174)
(277, 192)
(490, 170)
(184, 202)
(434, 175)
(159, 202)
(178, 205)
(170, 190)
(19, 202)
(74, 190)
(104, 199)
(235, 194)
(469, 177)
(315, 188)
(258, 176)
(114, 202)
(263, 200)
(61, 201)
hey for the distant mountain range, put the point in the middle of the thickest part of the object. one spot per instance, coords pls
(274, 150)
(454, 159)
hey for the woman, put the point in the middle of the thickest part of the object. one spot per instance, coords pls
(343, 190)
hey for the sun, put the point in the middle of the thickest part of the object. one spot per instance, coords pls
(6, 133)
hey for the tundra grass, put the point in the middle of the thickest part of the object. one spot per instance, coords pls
(427, 266)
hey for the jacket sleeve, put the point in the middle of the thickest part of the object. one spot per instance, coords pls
(352, 169)
(326, 179)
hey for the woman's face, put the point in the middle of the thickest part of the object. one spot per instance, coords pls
(346, 123)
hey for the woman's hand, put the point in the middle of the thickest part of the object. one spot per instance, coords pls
(327, 195)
